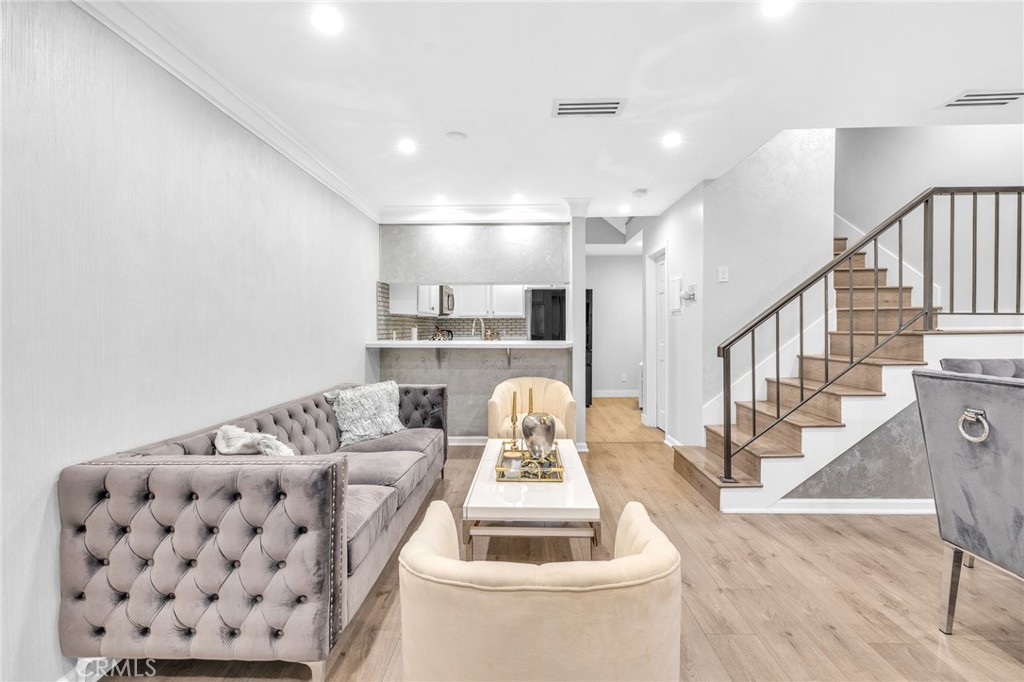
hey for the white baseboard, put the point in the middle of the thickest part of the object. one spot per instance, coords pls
(648, 420)
(670, 441)
(581, 446)
(467, 440)
(624, 393)
(848, 506)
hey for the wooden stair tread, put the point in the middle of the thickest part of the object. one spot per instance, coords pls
(766, 446)
(710, 465)
(801, 419)
(905, 332)
(834, 389)
(906, 308)
(846, 268)
(872, 360)
(871, 287)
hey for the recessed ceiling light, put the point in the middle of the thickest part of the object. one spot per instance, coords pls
(440, 199)
(672, 139)
(624, 208)
(327, 20)
(456, 135)
(518, 198)
(776, 8)
(407, 146)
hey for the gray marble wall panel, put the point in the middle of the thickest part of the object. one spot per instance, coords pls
(471, 376)
(474, 254)
(888, 463)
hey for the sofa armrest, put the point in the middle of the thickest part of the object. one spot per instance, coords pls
(424, 405)
(203, 557)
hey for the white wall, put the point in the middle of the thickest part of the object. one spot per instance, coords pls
(163, 269)
(680, 232)
(879, 170)
(770, 221)
(617, 324)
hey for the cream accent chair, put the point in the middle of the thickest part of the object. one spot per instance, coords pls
(575, 620)
(549, 395)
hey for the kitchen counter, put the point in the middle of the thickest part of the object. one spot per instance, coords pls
(474, 344)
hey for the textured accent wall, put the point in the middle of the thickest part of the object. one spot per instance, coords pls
(162, 269)
(770, 221)
(474, 254)
(888, 463)
(471, 375)
(401, 325)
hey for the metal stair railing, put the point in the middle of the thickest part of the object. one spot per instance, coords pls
(993, 206)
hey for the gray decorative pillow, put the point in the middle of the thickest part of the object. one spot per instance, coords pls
(366, 412)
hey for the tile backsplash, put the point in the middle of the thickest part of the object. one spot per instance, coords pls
(401, 325)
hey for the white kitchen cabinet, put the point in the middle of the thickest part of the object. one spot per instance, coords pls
(427, 300)
(508, 300)
(402, 299)
(490, 300)
(471, 300)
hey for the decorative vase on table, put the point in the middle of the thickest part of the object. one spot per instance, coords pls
(538, 431)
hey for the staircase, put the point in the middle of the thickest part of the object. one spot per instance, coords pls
(873, 333)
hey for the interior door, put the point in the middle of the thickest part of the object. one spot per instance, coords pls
(661, 334)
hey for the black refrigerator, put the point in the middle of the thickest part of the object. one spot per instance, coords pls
(590, 345)
(547, 323)
(547, 314)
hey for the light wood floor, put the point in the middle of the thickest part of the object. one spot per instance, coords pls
(764, 597)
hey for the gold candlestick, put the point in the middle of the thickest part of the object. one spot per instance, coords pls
(514, 419)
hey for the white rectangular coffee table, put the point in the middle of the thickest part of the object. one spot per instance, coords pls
(566, 509)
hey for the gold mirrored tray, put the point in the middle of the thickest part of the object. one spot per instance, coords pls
(516, 464)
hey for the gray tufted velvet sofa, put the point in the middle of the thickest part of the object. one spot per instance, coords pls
(171, 551)
(972, 415)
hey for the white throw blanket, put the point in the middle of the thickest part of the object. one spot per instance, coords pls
(231, 440)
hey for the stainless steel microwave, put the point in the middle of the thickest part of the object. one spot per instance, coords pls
(447, 301)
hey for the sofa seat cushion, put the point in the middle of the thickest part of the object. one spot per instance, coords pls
(428, 441)
(402, 471)
(368, 509)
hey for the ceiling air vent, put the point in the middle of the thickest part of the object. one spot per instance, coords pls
(986, 98)
(587, 107)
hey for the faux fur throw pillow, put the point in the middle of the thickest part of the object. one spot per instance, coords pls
(231, 440)
(366, 412)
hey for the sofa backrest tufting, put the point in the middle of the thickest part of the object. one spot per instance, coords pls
(308, 424)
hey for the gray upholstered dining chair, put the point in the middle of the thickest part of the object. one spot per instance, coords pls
(973, 426)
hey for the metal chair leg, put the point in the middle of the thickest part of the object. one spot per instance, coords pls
(952, 561)
(969, 560)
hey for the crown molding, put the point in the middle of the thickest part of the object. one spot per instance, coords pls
(496, 214)
(135, 22)
(578, 206)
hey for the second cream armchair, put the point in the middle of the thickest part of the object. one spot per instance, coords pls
(549, 395)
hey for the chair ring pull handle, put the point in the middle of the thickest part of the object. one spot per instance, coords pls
(974, 416)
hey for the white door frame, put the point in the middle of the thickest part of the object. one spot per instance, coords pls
(649, 417)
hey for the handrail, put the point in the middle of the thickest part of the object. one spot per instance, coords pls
(831, 265)
(902, 323)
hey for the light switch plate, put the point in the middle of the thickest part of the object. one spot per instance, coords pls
(723, 273)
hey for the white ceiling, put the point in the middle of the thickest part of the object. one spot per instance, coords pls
(720, 73)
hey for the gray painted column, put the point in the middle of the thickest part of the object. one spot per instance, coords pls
(576, 295)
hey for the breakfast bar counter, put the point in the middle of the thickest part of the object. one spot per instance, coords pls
(476, 344)
(471, 368)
